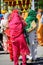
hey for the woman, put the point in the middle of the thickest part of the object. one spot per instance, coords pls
(40, 31)
(31, 32)
(6, 35)
(16, 24)
(3, 28)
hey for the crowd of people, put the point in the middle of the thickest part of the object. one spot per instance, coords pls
(20, 34)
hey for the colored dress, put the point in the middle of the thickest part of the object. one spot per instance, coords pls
(40, 31)
(7, 32)
(17, 38)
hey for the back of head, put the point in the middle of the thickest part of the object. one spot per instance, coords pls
(15, 11)
(32, 13)
(31, 16)
(15, 17)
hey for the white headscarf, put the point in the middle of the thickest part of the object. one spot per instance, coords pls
(6, 15)
(4, 22)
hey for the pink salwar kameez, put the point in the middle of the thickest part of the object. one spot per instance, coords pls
(17, 38)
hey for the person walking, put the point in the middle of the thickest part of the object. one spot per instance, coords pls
(7, 33)
(19, 44)
(31, 20)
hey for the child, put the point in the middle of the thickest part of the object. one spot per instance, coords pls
(19, 44)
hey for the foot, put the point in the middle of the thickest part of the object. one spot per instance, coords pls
(11, 60)
(29, 57)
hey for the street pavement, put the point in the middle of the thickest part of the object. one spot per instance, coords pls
(40, 51)
(5, 60)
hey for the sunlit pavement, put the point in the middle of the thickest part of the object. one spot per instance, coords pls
(5, 60)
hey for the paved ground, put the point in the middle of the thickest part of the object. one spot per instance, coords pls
(4, 58)
(40, 51)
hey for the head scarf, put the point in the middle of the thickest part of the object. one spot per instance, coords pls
(6, 15)
(12, 14)
(31, 16)
(15, 11)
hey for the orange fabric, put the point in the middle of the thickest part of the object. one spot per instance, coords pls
(40, 30)
(38, 17)
(7, 32)
(40, 35)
